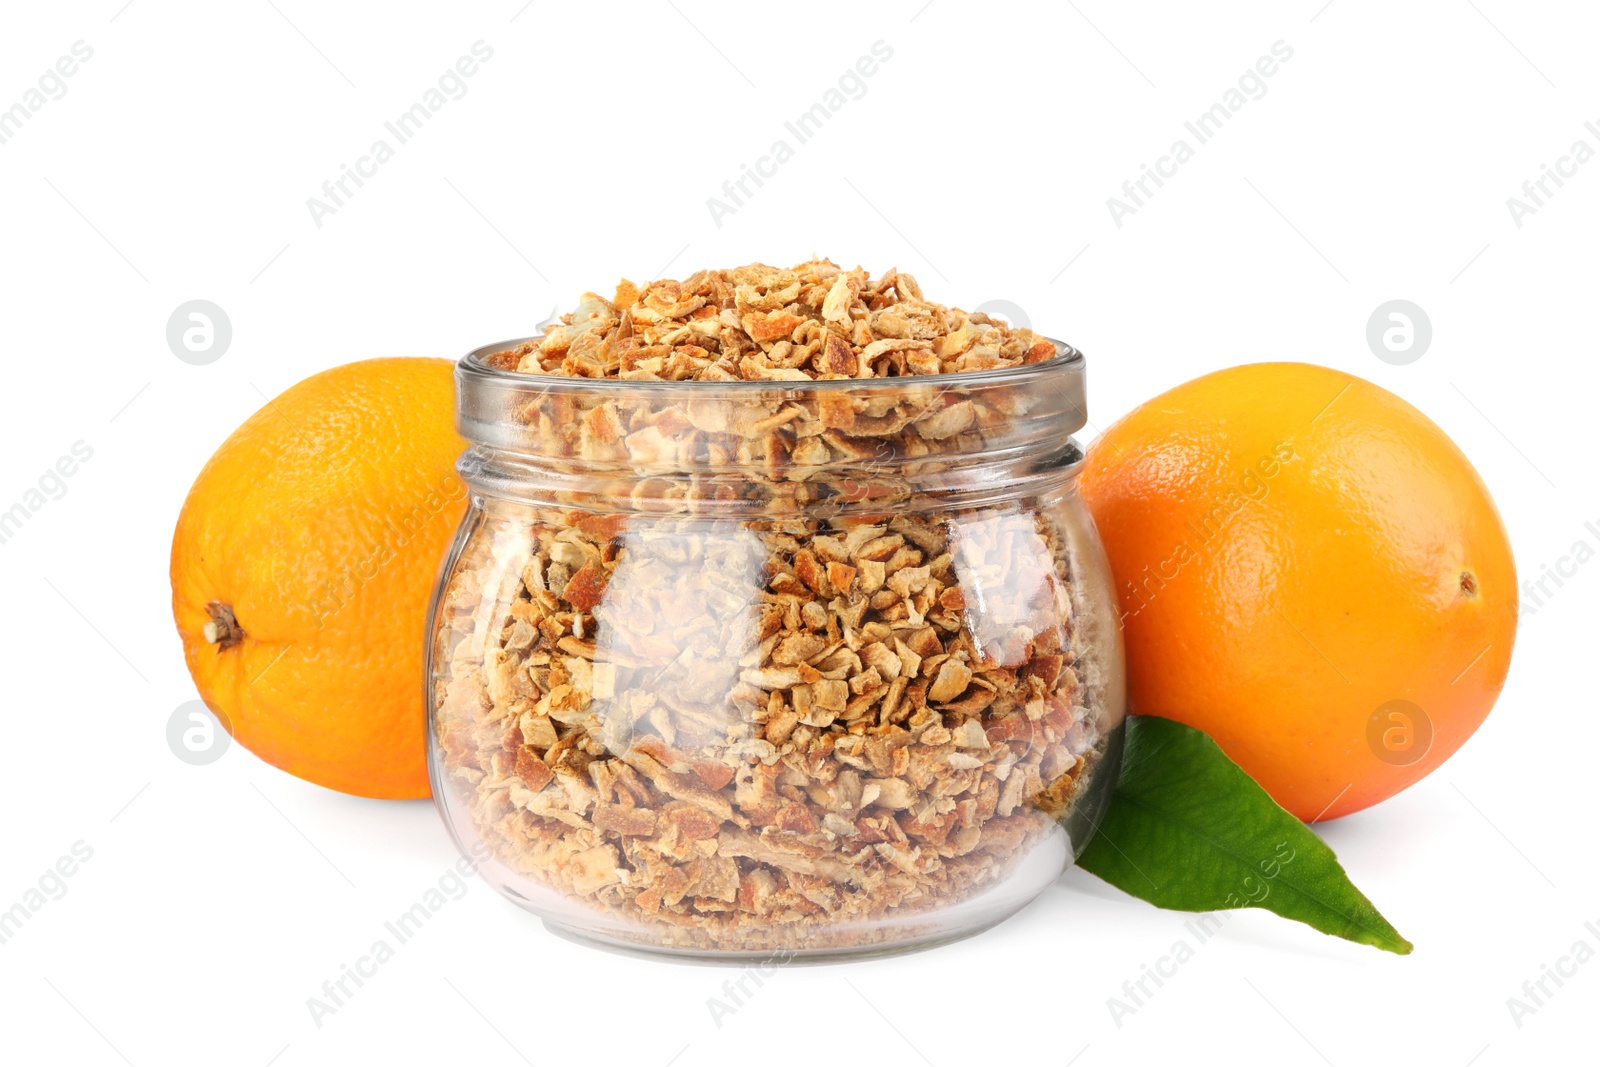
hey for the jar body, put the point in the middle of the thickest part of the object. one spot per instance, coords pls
(826, 730)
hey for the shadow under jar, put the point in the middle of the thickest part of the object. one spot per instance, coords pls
(743, 668)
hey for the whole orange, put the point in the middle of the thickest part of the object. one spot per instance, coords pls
(1310, 571)
(302, 565)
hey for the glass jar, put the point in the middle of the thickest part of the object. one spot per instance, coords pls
(751, 668)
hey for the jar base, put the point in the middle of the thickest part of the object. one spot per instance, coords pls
(911, 933)
(733, 957)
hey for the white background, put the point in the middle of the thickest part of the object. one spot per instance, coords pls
(177, 166)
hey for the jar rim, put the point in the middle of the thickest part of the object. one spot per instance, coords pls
(735, 446)
(1067, 358)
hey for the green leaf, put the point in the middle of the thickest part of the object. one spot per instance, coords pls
(1188, 829)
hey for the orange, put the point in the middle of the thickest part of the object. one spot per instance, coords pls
(302, 565)
(1310, 571)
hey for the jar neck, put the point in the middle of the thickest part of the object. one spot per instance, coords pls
(841, 490)
(771, 448)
